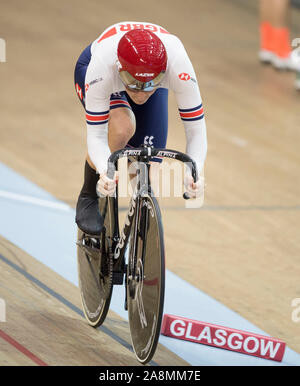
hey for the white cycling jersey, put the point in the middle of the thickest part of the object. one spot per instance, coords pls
(102, 80)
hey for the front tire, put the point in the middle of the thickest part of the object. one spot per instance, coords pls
(146, 280)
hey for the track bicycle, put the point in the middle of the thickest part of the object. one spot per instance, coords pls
(134, 257)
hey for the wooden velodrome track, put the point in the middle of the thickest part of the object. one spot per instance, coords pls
(242, 249)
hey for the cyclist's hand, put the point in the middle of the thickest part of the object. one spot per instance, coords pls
(106, 186)
(194, 189)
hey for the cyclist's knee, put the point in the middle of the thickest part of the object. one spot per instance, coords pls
(121, 127)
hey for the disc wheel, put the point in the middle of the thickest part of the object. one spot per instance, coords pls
(146, 280)
(95, 270)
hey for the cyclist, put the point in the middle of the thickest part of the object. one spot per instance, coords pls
(122, 80)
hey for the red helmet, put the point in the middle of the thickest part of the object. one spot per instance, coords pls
(143, 60)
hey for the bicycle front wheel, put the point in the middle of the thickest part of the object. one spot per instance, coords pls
(146, 279)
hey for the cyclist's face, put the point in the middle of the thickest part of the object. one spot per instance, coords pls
(139, 97)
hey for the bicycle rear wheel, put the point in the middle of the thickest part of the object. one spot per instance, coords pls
(95, 269)
(146, 279)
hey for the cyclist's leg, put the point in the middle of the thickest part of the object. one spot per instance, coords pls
(121, 125)
(151, 121)
(151, 129)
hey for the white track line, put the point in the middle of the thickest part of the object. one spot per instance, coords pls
(34, 201)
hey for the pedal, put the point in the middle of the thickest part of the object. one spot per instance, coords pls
(91, 246)
(92, 242)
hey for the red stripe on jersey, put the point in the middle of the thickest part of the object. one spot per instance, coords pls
(192, 114)
(97, 118)
(108, 34)
(119, 101)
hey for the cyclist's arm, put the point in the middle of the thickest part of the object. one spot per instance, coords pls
(190, 107)
(97, 113)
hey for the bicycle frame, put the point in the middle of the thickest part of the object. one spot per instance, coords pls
(119, 242)
(143, 156)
